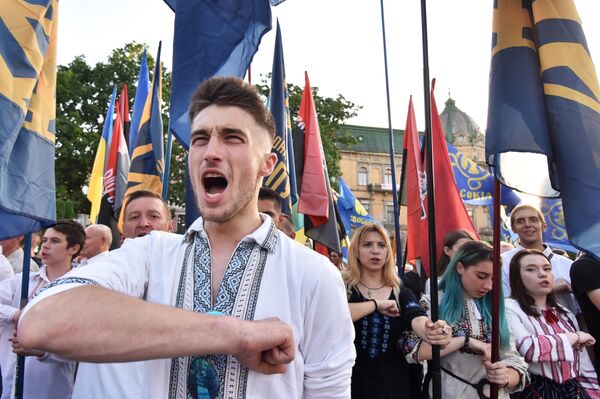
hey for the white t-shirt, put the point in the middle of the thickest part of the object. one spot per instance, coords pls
(6, 270)
(269, 275)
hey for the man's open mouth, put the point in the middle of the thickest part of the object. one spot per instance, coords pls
(214, 183)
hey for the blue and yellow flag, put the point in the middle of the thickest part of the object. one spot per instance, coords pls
(351, 211)
(96, 185)
(27, 115)
(475, 184)
(141, 94)
(556, 231)
(147, 161)
(281, 179)
(544, 110)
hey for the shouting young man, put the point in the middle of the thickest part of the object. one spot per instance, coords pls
(231, 261)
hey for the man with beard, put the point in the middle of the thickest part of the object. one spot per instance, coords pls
(231, 261)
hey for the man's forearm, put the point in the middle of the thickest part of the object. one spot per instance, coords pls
(95, 324)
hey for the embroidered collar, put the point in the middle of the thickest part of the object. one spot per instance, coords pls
(266, 235)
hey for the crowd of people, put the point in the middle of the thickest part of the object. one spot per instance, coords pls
(235, 308)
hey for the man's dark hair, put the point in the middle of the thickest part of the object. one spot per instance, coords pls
(145, 194)
(518, 290)
(268, 194)
(73, 231)
(231, 91)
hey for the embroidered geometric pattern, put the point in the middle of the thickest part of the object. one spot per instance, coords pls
(179, 364)
(374, 334)
(67, 280)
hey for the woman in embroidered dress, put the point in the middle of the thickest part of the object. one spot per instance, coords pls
(466, 304)
(382, 309)
(547, 334)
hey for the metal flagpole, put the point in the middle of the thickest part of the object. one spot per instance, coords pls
(165, 190)
(401, 257)
(496, 287)
(20, 368)
(392, 153)
(435, 349)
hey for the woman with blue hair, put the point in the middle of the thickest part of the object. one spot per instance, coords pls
(466, 305)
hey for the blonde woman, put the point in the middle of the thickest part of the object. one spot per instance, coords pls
(382, 309)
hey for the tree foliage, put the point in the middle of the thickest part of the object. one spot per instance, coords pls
(82, 96)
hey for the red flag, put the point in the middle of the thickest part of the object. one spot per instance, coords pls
(125, 117)
(450, 211)
(314, 199)
(416, 186)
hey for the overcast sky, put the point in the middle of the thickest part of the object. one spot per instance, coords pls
(339, 43)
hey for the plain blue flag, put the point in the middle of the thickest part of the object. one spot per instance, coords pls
(555, 118)
(212, 38)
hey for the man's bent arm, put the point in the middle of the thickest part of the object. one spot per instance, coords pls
(95, 324)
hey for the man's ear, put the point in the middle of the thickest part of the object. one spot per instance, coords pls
(73, 250)
(268, 164)
(172, 226)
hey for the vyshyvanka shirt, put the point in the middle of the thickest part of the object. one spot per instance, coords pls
(269, 275)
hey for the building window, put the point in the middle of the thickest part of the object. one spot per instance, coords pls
(366, 204)
(363, 175)
(389, 212)
(387, 177)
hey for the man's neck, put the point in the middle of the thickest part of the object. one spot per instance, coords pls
(233, 229)
(55, 271)
(536, 245)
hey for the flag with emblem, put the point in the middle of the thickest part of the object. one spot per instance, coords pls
(544, 110)
(281, 179)
(27, 115)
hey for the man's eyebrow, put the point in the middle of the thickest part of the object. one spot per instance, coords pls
(198, 131)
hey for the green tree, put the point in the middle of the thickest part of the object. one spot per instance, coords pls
(332, 113)
(82, 96)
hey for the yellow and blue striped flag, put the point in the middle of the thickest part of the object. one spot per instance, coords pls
(544, 110)
(147, 160)
(96, 185)
(28, 31)
(283, 179)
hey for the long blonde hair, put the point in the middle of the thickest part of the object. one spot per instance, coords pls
(351, 273)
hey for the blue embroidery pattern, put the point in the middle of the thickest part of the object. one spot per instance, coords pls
(66, 280)
(375, 334)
